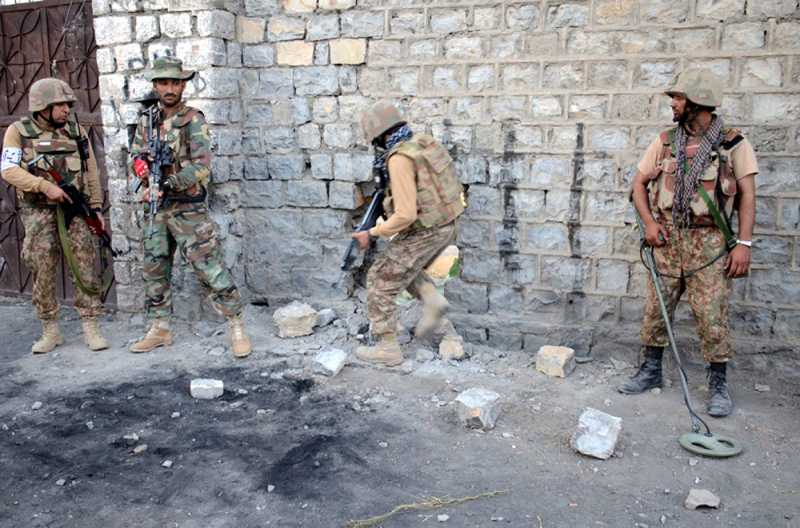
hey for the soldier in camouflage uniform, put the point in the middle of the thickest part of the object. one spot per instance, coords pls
(49, 129)
(698, 155)
(182, 222)
(422, 204)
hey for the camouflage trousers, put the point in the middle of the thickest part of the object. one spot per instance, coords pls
(402, 267)
(708, 290)
(40, 252)
(188, 228)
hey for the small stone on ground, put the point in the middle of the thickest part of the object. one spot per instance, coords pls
(478, 408)
(330, 362)
(698, 498)
(597, 434)
(556, 361)
(295, 319)
(206, 389)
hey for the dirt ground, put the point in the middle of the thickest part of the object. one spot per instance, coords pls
(282, 448)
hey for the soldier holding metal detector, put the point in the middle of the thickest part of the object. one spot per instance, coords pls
(171, 155)
(47, 157)
(688, 184)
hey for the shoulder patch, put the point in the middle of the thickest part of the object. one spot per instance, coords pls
(667, 136)
(183, 119)
(732, 138)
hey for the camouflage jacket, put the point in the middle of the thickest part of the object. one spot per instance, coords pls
(187, 134)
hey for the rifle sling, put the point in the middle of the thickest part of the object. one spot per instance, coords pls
(69, 257)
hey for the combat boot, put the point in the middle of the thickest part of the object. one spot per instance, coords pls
(51, 337)
(386, 352)
(719, 403)
(240, 343)
(91, 335)
(158, 335)
(649, 374)
(434, 307)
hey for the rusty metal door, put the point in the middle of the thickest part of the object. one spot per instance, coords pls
(45, 39)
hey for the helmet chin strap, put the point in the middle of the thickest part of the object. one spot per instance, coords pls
(49, 118)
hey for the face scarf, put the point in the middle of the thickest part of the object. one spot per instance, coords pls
(686, 180)
(403, 133)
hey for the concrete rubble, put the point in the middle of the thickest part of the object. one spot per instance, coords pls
(206, 389)
(451, 347)
(555, 361)
(296, 319)
(478, 408)
(325, 317)
(329, 362)
(701, 498)
(597, 434)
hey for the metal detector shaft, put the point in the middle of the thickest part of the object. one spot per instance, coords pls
(651, 265)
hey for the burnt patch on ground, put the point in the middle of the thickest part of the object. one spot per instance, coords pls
(264, 439)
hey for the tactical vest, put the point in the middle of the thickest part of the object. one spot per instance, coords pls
(175, 133)
(439, 200)
(36, 141)
(718, 180)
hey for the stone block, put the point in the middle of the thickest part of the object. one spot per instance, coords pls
(423, 49)
(480, 78)
(597, 434)
(344, 195)
(700, 497)
(720, 9)
(276, 82)
(206, 389)
(101, 7)
(463, 48)
(176, 25)
(316, 80)
(407, 22)
(360, 24)
(547, 238)
(299, 6)
(451, 348)
(468, 297)
(587, 107)
(658, 11)
(329, 362)
(762, 72)
(146, 28)
(563, 75)
(352, 167)
(129, 57)
(555, 361)
(295, 53)
(308, 136)
(109, 30)
(201, 52)
(567, 15)
(106, 63)
(348, 51)
(331, 5)
(444, 21)
(566, 274)
(478, 408)
(522, 17)
(520, 77)
(338, 135)
(612, 275)
(323, 27)
(744, 36)
(322, 168)
(216, 23)
(283, 28)
(295, 319)
(286, 166)
(486, 18)
(786, 35)
(614, 12)
(250, 30)
(279, 139)
(307, 193)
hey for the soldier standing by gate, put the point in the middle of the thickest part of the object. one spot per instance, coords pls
(182, 221)
(688, 184)
(47, 139)
(422, 205)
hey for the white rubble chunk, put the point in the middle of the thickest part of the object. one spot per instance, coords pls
(700, 497)
(330, 362)
(36, 406)
(167, 464)
(206, 389)
(760, 387)
(325, 317)
(478, 408)
(556, 361)
(295, 319)
(597, 434)
(451, 347)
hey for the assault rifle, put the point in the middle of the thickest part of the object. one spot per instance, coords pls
(157, 155)
(374, 211)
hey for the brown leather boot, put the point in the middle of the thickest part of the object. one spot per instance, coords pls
(386, 352)
(240, 343)
(91, 335)
(51, 337)
(434, 307)
(158, 335)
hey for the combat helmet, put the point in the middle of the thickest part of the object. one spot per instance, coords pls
(46, 92)
(702, 87)
(378, 119)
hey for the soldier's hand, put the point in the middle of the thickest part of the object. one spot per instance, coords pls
(141, 168)
(146, 194)
(738, 261)
(55, 193)
(362, 237)
(656, 234)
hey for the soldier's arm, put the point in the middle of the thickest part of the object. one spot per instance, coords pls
(12, 162)
(402, 179)
(137, 146)
(198, 169)
(645, 172)
(92, 178)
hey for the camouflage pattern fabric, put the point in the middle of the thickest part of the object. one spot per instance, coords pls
(187, 134)
(188, 228)
(402, 266)
(40, 251)
(708, 290)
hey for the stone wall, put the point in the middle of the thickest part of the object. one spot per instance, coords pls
(546, 106)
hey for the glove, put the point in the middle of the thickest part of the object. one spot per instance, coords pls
(141, 168)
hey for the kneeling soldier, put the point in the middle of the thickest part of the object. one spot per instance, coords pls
(422, 204)
(182, 222)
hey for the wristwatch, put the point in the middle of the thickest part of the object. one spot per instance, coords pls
(748, 243)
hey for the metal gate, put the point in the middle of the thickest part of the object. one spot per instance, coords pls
(54, 38)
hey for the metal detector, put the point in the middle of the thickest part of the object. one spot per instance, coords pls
(706, 444)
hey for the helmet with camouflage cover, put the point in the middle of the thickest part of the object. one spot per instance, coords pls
(46, 92)
(699, 86)
(378, 119)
